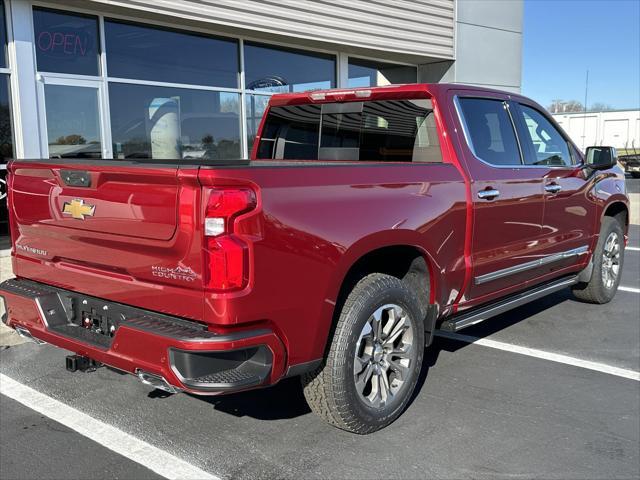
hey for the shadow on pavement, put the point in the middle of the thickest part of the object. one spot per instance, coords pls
(286, 399)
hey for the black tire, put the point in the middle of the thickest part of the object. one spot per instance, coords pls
(331, 391)
(596, 290)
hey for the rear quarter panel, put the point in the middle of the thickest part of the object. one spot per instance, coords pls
(315, 222)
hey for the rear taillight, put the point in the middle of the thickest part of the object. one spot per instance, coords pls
(226, 252)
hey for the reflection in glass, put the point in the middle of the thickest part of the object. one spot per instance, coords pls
(256, 105)
(3, 37)
(73, 123)
(6, 137)
(279, 70)
(365, 73)
(66, 43)
(146, 53)
(173, 123)
(383, 131)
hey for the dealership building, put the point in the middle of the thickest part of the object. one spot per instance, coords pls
(190, 78)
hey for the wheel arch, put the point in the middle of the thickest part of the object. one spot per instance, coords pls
(397, 253)
(619, 210)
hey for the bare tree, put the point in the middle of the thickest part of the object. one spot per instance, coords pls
(601, 107)
(568, 106)
(556, 105)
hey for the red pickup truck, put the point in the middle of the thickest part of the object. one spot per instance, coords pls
(365, 220)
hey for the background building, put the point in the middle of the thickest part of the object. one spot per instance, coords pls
(190, 79)
(617, 128)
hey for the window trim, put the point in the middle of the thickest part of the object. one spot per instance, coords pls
(104, 124)
(99, 38)
(467, 134)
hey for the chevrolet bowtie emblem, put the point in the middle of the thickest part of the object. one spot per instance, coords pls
(78, 209)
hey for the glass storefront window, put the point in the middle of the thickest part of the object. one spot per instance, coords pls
(173, 123)
(256, 105)
(146, 53)
(6, 137)
(280, 70)
(365, 73)
(3, 37)
(66, 43)
(73, 121)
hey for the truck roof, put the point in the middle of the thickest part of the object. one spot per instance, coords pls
(387, 92)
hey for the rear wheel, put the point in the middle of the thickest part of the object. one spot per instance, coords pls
(608, 259)
(374, 360)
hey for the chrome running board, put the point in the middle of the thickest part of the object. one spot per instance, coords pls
(477, 315)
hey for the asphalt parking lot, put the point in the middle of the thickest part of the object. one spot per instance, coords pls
(567, 406)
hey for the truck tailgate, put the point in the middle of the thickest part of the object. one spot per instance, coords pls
(121, 231)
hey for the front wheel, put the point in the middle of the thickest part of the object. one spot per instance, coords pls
(608, 258)
(374, 360)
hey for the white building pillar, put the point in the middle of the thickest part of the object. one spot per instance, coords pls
(24, 98)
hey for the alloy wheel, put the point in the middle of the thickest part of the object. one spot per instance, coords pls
(384, 356)
(611, 260)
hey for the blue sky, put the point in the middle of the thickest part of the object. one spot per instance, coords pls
(564, 38)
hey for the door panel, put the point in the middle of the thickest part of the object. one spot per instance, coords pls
(569, 214)
(507, 227)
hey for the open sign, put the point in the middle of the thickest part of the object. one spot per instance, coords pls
(64, 43)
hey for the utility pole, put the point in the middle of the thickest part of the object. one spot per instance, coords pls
(584, 120)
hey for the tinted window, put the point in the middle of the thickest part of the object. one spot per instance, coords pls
(173, 123)
(66, 43)
(291, 133)
(490, 131)
(3, 37)
(145, 53)
(285, 70)
(547, 146)
(390, 131)
(365, 73)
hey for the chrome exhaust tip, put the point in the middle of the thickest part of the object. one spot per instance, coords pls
(26, 334)
(156, 381)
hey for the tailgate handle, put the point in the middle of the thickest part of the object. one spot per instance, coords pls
(76, 178)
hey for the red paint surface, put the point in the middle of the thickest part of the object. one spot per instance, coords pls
(310, 224)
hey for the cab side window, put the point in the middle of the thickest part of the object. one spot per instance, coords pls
(490, 131)
(542, 142)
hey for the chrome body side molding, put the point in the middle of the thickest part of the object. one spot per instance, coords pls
(523, 267)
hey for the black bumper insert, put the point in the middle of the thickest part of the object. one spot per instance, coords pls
(222, 370)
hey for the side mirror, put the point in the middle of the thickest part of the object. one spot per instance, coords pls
(601, 158)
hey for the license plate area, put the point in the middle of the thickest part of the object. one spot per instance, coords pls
(97, 317)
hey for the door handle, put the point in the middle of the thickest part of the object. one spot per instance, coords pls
(553, 188)
(488, 194)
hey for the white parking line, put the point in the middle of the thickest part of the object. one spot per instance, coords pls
(553, 357)
(633, 249)
(128, 446)
(629, 289)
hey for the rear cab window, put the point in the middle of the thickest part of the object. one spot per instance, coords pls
(377, 131)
